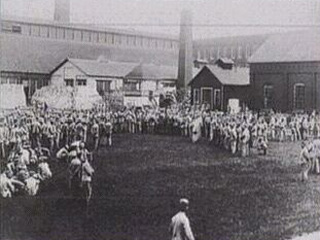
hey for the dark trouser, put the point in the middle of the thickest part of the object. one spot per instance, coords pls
(75, 188)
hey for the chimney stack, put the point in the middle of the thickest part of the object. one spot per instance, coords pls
(317, 12)
(62, 11)
(185, 50)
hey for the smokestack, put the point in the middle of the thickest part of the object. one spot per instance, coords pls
(62, 11)
(317, 12)
(185, 50)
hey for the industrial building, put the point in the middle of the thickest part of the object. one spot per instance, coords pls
(284, 69)
(285, 73)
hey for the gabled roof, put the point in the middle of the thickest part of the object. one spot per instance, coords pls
(298, 46)
(234, 77)
(41, 55)
(103, 68)
(152, 71)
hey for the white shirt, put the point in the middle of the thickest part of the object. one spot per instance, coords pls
(180, 227)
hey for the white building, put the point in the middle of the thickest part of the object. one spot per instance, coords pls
(139, 84)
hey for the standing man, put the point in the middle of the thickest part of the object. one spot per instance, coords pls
(86, 178)
(2, 141)
(95, 134)
(306, 160)
(180, 226)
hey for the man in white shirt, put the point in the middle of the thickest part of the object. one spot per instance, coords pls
(180, 226)
(306, 159)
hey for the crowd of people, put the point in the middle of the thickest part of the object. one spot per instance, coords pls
(29, 138)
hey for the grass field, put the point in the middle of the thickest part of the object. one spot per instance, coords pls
(139, 180)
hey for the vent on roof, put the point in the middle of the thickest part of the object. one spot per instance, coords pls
(224, 63)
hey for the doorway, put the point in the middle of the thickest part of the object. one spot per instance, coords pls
(207, 96)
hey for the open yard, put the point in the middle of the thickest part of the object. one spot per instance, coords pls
(138, 183)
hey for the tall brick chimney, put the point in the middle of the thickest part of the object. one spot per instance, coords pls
(62, 11)
(185, 50)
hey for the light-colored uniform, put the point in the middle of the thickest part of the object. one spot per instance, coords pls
(196, 129)
(305, 159)
(180, 227)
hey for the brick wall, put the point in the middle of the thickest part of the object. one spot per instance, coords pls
(283, 77)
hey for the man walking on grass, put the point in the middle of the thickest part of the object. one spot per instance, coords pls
(180, 226)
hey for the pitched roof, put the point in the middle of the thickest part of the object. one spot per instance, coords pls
(42, 55)
(298, 46)
(235, 76)
(152, 71)
(90, 27)
(231, 40)
(225, 60)
(103, 68)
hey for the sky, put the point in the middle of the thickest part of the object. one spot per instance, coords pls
(211, 18)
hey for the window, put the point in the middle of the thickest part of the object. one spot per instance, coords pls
(102, 37)
(134, 40)
(268, 96)
(117, 39)
(168, 85)
(112, 39)
(12, 80)
(60, 33)
(299, 96)
(248, 51)
(103, 87)
(44, 31)
(69, 82)
(16, 29)
(131, 86)
(146, 42)
(7, 27)
(53, 32)
(208, 55)
(202, 54)
(69, 34)
(225, 52)
(81, 82)
(90, 37)
(4, 81)
(218, 53)
(233, 56)
(239, 52)
(217, 97)
(85, 36)
(139, 41)
(212, 54)
(94, 37)
(77, 35)
(35, 30)
(198, 54)
(196, 96)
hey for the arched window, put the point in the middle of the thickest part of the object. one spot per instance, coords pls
(268, 96)
(299, 96)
